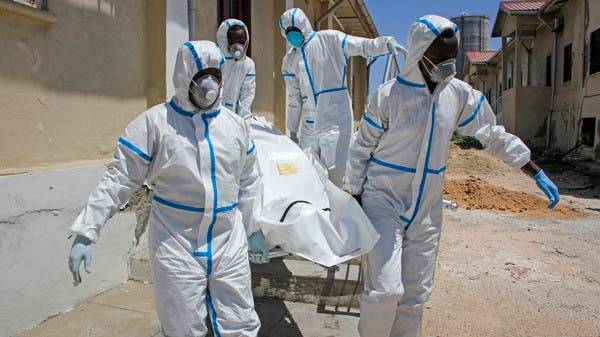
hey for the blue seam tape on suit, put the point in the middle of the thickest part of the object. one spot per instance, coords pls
(409, 83)
(472, 117)
(195, 55)
(426, 165)
(252, 147)
(213, 314)
(183, 207)
(310, 79)
(393, 166)
(213, 179)
(430, 26)
(180, 110)
(373, 123)
(324, 91)
(134, 148)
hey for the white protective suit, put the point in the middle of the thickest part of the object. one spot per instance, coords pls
(397, 161)
(207, 192)
(239, 77)
(317, 93)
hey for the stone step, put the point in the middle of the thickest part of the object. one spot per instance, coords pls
(290, 278)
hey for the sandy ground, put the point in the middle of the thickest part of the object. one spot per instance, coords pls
(510, 268)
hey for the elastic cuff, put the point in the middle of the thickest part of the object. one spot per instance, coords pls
(91, 234)
(353, 189)
(521, 162)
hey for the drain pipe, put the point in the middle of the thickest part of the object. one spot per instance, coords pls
(192, 20)
(328, 13)
(554, 63)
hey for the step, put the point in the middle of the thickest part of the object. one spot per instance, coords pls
(290, 279)
(128, 311)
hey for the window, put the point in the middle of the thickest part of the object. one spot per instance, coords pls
(567, 63)
(595, 52)
(549, 71)
(588, 130)
(236, 9)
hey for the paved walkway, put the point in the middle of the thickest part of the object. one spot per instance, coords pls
(128, 311)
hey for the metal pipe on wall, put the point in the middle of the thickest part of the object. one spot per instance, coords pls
(192, 20)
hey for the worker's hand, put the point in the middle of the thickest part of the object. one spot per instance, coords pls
(81, 250)
(395, 48)
(258, 251)
(548, 187)
(294, 136)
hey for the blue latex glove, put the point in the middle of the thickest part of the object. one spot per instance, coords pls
(258, 251)
(81, 250)
(395, 48)
(548, 187)
(294, 137)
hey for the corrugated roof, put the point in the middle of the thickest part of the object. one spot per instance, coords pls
(479, 57)
(522, 5)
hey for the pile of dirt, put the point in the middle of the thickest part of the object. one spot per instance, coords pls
(475, 193)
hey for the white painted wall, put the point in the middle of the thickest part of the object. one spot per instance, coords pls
(177, 34)
(36, 211)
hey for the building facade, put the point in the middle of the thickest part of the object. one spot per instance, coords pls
(546, 76)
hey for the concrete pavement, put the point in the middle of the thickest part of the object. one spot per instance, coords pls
(128, 311)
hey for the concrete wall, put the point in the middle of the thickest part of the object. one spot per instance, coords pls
(542, 48)
(68, 89)
(37, 210)
(177, 33)
(268, 49)
(207, 19)
(532, 106)
(508, 118)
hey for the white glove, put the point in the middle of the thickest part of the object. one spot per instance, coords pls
(395, 48)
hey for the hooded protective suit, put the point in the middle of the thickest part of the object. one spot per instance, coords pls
(201, 167)
(239, 76)
(397, 162)
(317, 93)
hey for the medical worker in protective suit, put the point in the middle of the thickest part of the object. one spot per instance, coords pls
(199, 160)
(397, 164)
(318, 101)
(239, 75)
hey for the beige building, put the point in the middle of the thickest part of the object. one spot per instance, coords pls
(547, 70)
(73, 75)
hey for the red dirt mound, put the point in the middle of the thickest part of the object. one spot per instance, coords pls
(475, 193)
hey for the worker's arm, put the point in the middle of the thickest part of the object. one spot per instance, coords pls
(360, 46)
(478, 120)
(294, 95)
(372, 127)
(251, 191)
(247, 92)
(124, 175)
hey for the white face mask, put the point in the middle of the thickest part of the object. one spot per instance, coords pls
(204, 91)
(441, 72)
(237, 50)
